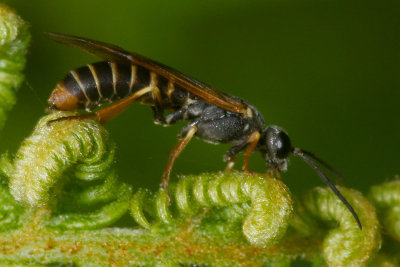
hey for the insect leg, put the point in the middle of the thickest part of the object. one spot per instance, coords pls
(188, 133)
(172, 118)
(158, 115)
(106, 114)
(230, 155)
(251, 142)
(158, 111)
(176, 116)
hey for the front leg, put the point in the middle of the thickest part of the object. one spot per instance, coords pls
(250, 142)
(230, 155)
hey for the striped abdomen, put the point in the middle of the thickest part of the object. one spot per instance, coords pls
(94, 84)
(91, 85)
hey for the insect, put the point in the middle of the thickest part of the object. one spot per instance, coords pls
(124, 77)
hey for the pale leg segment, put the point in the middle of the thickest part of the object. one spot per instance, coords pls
(230, 156)
(106, 114)
(174, 154)
(252, 143)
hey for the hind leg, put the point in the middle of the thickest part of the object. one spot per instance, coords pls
(106, 114)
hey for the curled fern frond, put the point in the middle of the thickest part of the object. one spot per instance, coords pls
(10, 210)
(6, 168)
(115, 204)
(346, 244)
(50, 151)
(263, 204)
(14, 40)
(66, 154)
(386, 198)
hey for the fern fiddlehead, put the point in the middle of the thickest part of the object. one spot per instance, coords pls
(345, 245)
(14, 40)
(264, 205)
(386, 198)
(78, 150)
(10, 210)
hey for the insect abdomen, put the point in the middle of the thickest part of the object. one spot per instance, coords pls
(101, 82)
(92, 85)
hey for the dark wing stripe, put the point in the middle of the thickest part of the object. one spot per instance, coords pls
(116, 54)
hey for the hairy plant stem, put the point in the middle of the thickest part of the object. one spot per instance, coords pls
(14, 41)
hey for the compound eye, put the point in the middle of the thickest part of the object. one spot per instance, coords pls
(278, 142)
(282, 145)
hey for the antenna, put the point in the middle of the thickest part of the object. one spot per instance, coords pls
(300, 153)
(35, 93)
(323, 163)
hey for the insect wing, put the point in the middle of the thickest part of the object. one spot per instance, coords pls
(114, 53)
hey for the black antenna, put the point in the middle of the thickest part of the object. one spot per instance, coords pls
(323, 163)
(300, 153)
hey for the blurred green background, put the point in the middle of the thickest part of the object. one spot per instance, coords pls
(326, 71)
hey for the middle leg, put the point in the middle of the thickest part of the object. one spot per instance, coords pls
(172, 118)
(230, 155)
(188, 133)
